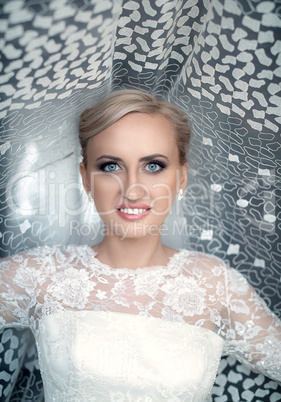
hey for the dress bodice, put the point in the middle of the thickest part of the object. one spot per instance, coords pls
(109, 356)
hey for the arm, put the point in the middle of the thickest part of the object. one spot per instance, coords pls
(20, 279)
(254, 332)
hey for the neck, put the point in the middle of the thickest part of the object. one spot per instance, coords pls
(133, 252)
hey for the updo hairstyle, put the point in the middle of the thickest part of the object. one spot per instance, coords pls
(118, 104)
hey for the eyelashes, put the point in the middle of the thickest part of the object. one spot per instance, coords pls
(108, 166)
(153, 166)
(156, 166)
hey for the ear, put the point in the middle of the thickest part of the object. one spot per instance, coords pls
(183, 176)
(83, 172)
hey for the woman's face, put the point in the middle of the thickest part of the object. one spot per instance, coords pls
(133, 173)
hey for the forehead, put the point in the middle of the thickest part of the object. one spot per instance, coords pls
(136, 134)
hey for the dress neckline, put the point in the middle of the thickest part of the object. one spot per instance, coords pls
(169, 266)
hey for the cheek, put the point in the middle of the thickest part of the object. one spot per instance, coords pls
(106, 191)
(165, 185)
(163, 194)
(101, 183)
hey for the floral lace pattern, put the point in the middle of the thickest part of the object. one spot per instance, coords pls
(135, 318)
(185, 296)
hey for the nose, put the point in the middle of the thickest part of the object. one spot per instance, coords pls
(135, 190)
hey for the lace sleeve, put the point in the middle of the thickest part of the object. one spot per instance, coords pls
(20, 276)
(254, 332)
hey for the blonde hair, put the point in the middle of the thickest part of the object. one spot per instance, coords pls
(117, 104)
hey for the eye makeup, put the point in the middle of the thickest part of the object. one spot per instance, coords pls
(110, 165)
(118, 162)
(161, 165)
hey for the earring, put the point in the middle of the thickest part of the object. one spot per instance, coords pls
(90, 198)
(180, 194)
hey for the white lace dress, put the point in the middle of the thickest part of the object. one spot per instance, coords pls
(145, 335)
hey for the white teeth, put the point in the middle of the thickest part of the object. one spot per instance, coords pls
(134, 211)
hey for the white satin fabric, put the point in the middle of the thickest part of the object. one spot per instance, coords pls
(104, 356)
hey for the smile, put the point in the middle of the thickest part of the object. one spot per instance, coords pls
(134, 211)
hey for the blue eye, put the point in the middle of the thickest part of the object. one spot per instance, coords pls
(155, 166)
(110, 167)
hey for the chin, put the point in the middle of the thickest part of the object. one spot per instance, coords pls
(132, 230)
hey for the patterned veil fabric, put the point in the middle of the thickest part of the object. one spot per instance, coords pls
(220, 62)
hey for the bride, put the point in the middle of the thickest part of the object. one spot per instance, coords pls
(130, 319)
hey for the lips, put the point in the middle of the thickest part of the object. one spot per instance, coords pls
(133, 212)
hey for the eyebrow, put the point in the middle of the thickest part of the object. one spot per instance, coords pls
(144, 159)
